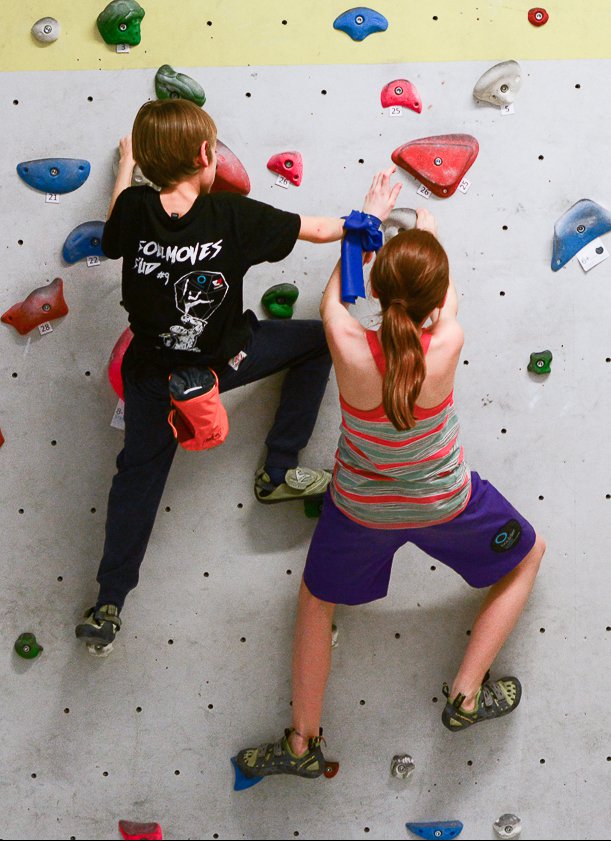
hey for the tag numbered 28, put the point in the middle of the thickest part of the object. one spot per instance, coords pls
(45, 328)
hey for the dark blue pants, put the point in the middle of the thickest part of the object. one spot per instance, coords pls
(144, 463)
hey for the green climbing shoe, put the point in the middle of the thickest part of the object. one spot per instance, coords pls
(299, 483)
(494, 698)
(278, 758)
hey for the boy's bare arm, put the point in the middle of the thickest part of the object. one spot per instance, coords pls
(321, 229)
(125, 171)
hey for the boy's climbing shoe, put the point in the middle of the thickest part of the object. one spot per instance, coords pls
(99, 629)
(299, 483)
(494, 698)
(278, 758)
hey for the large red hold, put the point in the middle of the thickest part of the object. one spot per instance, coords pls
(440, 162)
(132, 830)
(401, 92)
(288, 164)
(116, 360)
(43, 304)
(230, 174)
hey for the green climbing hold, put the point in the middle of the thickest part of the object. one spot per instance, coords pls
(540, 363)
(26, 646)
(313, 506)
(119, 22)
(279, 299)
(172, 85)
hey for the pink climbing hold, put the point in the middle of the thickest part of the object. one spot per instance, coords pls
(230, 174)
(116, 360)
(440, 162)
(43, 304)
(288, 164)
(401, 92)
(132, 831)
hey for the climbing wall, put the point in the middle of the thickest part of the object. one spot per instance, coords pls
(202, 665)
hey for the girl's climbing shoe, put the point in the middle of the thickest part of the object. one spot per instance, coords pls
(494, 698)
(278, 758)
(99, 628)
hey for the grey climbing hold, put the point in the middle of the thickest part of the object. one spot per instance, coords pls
(138, 179)
(334, 633)
(401, 219)
(500, 84)
(508, 826)
(46, 30)
(402, 766)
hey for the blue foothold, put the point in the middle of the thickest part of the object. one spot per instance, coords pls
(360, 22)
(435, 830)
(241, 780)
(84, 241)
(582, 222)
(54, 175)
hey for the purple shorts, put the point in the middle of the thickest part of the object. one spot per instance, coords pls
(351, 564)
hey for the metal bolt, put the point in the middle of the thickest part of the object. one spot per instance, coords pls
(438, 161)
(398, 90)
(504, 88)
(359, 19)
(288, 164)
(54, 171)
(581, 229)
(47, 29)
(46, 307)
(95, 241)
(538, 15)
(122, 27)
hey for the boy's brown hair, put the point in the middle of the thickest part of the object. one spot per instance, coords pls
(166, 139)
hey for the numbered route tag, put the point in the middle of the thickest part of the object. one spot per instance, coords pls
(122, 48)
(395, 111)
(93, 261)
(45, 328)
(424, 192)
(592, 254)
(281, 181)
(118, 419)
(464, 185)
(52, 198)
(507, 109)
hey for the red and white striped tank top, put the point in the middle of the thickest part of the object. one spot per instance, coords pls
(386, 478)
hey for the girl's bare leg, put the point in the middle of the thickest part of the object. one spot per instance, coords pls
(495, 621)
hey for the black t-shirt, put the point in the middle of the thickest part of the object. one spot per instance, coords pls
(182, 278)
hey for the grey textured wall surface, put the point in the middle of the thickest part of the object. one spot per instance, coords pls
(202, 664)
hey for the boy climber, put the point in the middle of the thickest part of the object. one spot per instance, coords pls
(185, 253)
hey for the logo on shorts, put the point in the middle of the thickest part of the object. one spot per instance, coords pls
(506, 537)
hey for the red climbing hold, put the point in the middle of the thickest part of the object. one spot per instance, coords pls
(538, 16)
(230, 174)
(116, 360)
(1, 438)
(440, 162)
(43, 304)
(401, 92)
(288, 164)
(132, 830)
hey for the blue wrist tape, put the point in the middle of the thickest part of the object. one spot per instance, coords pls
(362, 234)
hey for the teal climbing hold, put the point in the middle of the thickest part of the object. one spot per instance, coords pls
(169, 84)
(540, 363)
(119, 22)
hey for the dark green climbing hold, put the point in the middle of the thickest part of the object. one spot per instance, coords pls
(26, 646)
(119, 22)
(279, 299)
(172, 85)
(540, 363)
(313, 506)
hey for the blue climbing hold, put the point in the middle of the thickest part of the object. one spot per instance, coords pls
(54, 175)
(360, 22)
(84, 241)
(581, 223)
(241, 780)
(436, 829)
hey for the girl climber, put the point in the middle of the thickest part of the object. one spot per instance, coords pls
(400, 477)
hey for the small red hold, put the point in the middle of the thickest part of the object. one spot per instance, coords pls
(116, 360)
(132, 830)
(440, 162)
(538, 16)
(230, 174)
(43, 304)
(401, 92)
(1, 438)
(288, 164)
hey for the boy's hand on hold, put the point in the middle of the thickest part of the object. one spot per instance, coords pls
(126, 156)
(425, 221)
(381, 198)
